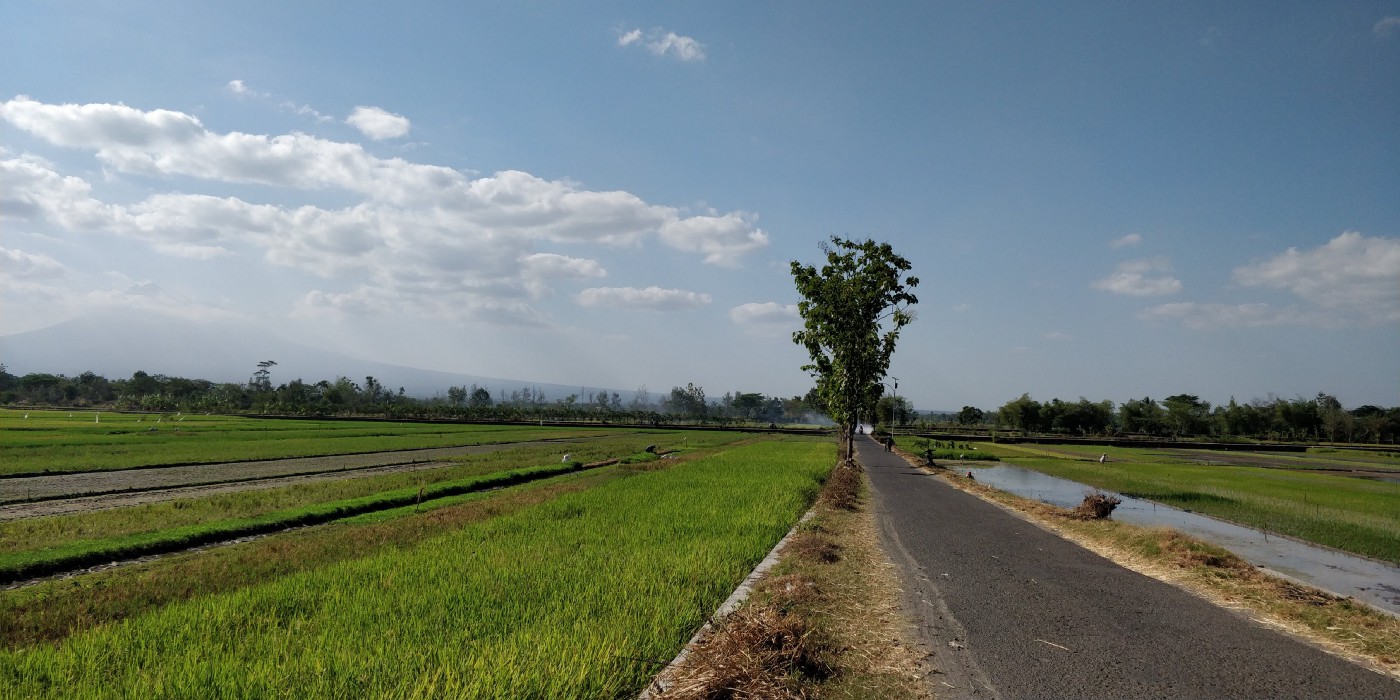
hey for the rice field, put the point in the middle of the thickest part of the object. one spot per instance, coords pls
(63, 441)
(576, 595)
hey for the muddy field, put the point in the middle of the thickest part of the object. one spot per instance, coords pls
(56, 494)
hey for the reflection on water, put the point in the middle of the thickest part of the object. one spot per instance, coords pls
(1374, 582)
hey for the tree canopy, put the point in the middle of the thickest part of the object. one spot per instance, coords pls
(852, 311)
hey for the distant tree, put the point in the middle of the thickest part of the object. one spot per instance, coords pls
(970, 415)
(1141, 416)
(480, 397)
(688, 401)
(852, 310)
(1186, 414)
(641, 398)
(262, 379)
(1021, 414)
(456, 395)
(1331, 415)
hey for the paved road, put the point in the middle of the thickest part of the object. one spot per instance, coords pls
(1031, 615)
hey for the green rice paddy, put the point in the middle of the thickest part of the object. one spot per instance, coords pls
(575, 595)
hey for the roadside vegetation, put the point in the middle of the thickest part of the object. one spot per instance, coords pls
(1356, 515)
(825, 622)
(575, 595)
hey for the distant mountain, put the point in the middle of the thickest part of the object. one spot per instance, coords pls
(116, 345)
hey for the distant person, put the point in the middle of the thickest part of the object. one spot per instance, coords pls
(1103, 458)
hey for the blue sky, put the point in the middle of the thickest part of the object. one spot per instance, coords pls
(1112, 200)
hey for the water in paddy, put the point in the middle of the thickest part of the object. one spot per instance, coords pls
(1373, 582)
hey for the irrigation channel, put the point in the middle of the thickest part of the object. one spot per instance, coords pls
(1374, 582)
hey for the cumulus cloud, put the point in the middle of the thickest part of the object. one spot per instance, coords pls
(430, 238)
(767, 318)
(1131, 239)
(665, 44)
(649, 299)
(378, 124)
(1386, 27)
(1141, 278)
(1350, 274)
(722, 239)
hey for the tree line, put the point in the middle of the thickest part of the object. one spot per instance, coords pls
(1320, 418)
(159, 393)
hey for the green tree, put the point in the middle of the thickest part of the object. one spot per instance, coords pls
(480, 397)
(1021, 414)
(852, 311)
(971, 415)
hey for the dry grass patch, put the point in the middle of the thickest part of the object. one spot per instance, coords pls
(826, 623)
(1339, 625)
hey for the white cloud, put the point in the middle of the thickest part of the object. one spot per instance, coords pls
(239, 88)
(1386, 27)
(377, 123)
(19, 265)
(1203, 316)
(1131, 239)
(723, 239)
(649, 299)
(665, 43)
(1135, 278)
(1351, 275)
(306, 111)
(430, 238)
(767, 318)
(540, 268)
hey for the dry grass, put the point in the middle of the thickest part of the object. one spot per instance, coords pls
(843, 487)
(1339, 625)
(826, 623)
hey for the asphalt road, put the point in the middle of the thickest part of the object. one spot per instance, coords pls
(1009, 610)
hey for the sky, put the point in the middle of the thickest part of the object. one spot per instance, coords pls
(1103, 199)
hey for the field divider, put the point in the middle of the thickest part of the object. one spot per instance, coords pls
(28, 565)
(360, 453)
(218, 482)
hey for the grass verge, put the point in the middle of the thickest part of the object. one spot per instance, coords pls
(1340, 625)
(826, 621)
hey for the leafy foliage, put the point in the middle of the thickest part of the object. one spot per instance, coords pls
(852, 310)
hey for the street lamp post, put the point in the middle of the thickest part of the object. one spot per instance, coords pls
(894, 409)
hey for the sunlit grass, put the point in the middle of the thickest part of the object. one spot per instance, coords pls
(559, 600)
(54, 441)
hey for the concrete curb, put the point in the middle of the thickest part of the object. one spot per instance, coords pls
(661, 681)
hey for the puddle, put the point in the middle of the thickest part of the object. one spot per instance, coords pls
(1374, 582)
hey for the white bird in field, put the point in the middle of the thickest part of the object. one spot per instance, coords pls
(26, 416)
(566, 457)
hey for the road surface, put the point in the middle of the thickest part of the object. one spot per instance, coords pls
(1013, 611)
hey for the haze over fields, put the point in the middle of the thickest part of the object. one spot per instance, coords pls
(1100, 200)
